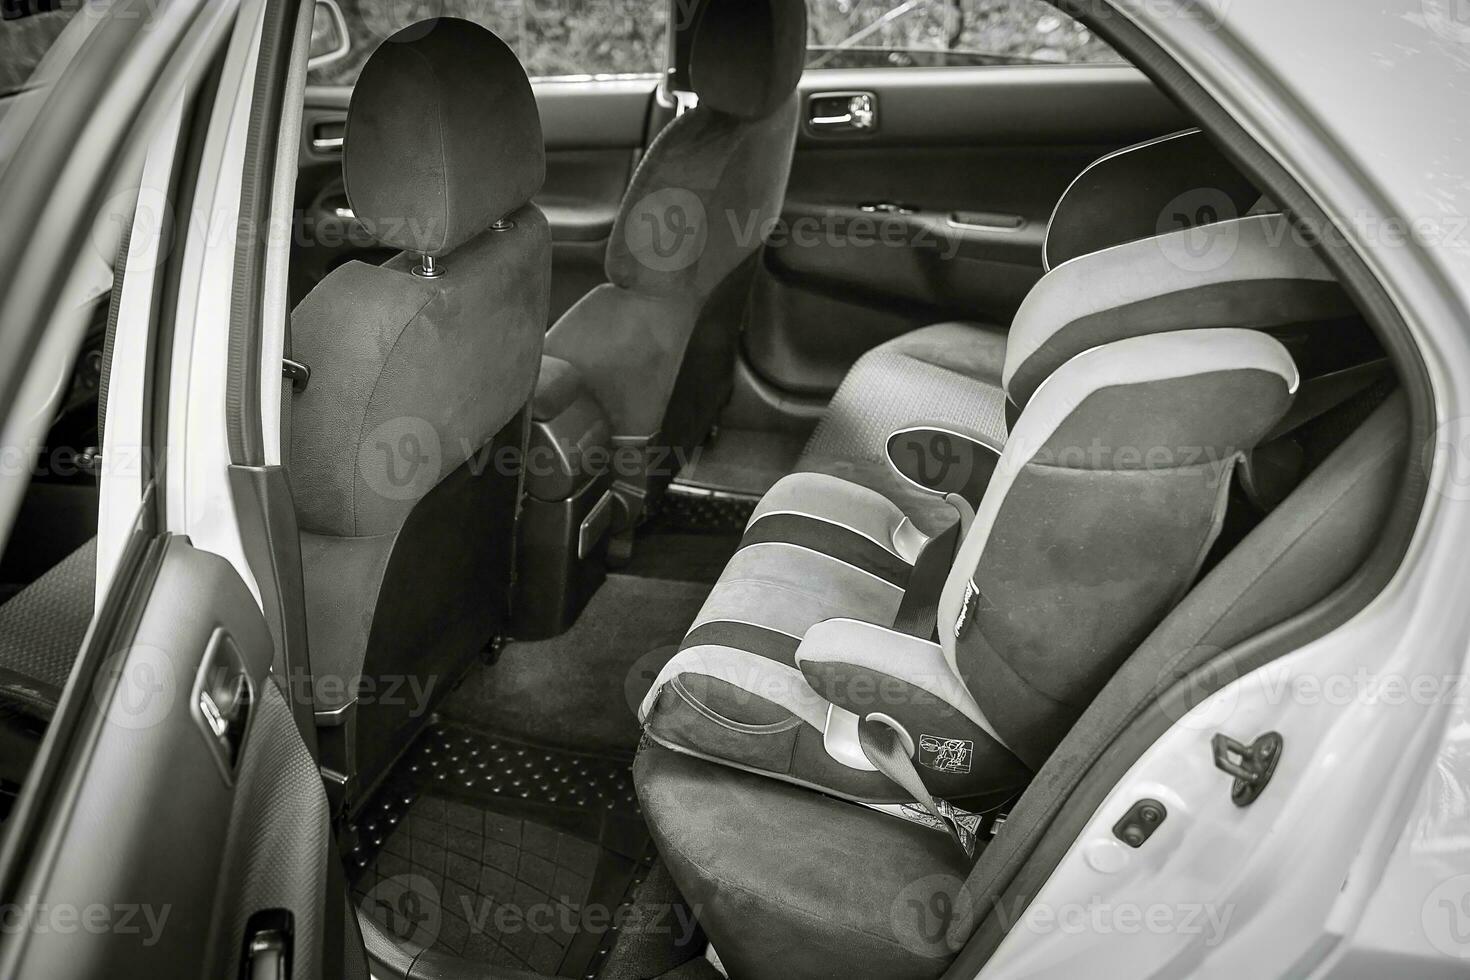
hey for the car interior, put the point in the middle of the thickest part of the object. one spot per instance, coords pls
(729, 496)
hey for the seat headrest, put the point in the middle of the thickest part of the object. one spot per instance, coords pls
(1254, 272)
(1158, 186)
(747, 55)
(1058, 421)
(443, 137)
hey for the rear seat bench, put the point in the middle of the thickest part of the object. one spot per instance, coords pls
(1106, 500)
(794, 883)
(890, 645)
(968, 378)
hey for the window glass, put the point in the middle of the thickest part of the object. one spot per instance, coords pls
(25, 40)
(551, 37)
(929, 33)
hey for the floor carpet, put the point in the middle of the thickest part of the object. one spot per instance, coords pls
(679, 555)
(743, 460)
(659, 936)
(578, 691)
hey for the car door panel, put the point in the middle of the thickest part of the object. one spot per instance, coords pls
(594, 133)
(184, 810)
(593, 130)
(938, 212)
(169, 801)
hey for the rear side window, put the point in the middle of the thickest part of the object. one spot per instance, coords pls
(938, 33)
(553, 38)
(28, 28)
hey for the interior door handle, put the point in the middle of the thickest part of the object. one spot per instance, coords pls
(986, 221)
(268, 957)
(329, 136)
(842, 112)
(269, 949)
(222, 699)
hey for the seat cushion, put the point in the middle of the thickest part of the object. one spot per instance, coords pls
(840, 519)
(42, 628)
(791, 883)
(1126, 457)
(734, 690)
(947, 374)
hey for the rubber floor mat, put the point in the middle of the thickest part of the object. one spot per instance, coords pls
(503, 853)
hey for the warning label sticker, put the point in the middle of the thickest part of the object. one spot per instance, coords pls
(946, 754)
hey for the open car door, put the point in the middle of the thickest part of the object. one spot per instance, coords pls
(173, 822)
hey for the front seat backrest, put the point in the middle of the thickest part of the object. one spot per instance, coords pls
(696, 212)
(406, 442)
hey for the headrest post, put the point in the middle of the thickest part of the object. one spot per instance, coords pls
(428, 268)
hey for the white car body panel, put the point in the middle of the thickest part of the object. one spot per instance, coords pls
(1322, 876)
(123, 466)
(198, 498)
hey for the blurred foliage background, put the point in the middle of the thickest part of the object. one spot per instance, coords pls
(24, 41)
(579, 37)
(873, 33)
(551, 37)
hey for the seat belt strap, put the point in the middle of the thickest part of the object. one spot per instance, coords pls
(885, 750)
(918, 610)
(1320, 395)
(295, 376)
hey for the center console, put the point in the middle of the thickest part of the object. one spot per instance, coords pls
(563, 528)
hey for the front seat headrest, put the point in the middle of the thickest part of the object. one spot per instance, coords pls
(443, 137)
(747, 55)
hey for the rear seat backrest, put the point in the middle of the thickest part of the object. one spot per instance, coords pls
(1103, 505)
(1250, 272)
(1156, 186)
(1110, 492)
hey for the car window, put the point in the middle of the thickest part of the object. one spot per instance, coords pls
(931, 33)
(553, 38)
(24, 40)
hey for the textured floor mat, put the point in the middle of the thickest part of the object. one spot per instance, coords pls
(689, 509)
(503, 853)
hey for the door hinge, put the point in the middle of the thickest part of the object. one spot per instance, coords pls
(1251, 765)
